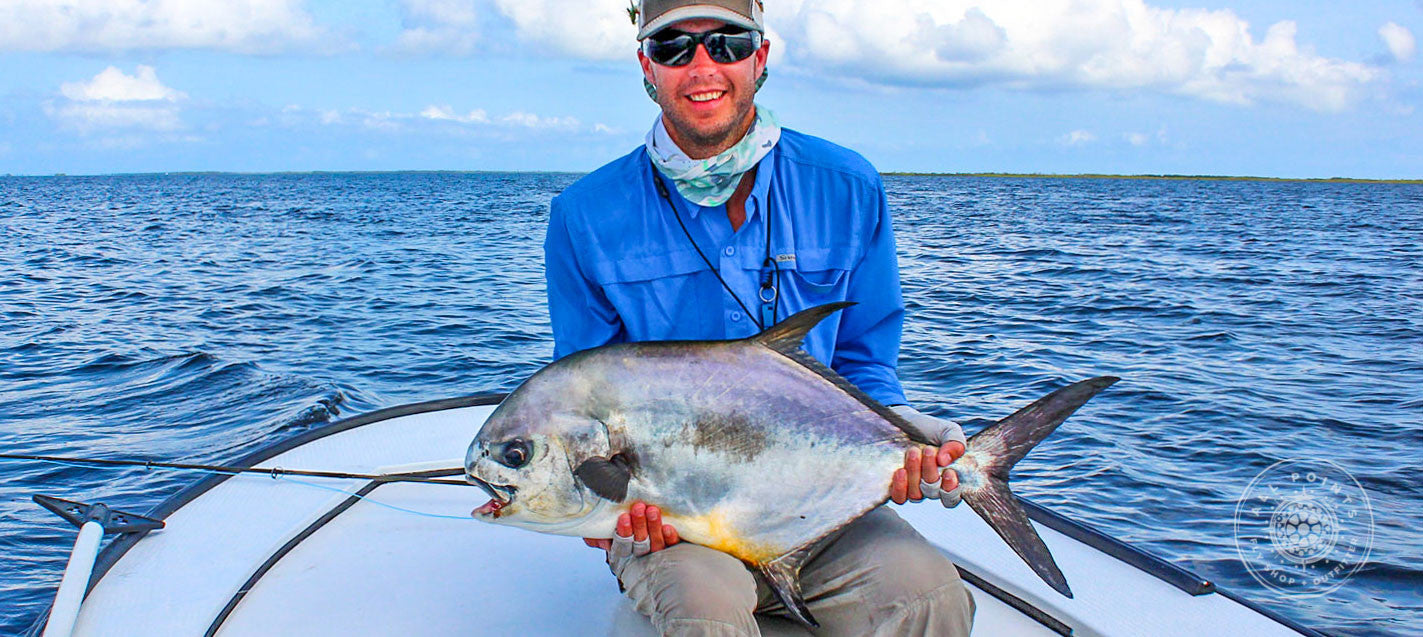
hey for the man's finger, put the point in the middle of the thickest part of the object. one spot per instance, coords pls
(912, 461)
(619, 548)
(951, 480)
(951, 498)
(929, 489)
(950, 452)
(929, 466)
(624, 526)
(654, 524)
(639, 522)
(898, 486)
(669, 535)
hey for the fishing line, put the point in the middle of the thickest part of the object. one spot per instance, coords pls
(274, 472)
(465, 518)
(287, 476)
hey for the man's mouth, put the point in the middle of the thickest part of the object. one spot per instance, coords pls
(701, 97)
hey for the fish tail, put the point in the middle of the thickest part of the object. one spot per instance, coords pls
(995, 450)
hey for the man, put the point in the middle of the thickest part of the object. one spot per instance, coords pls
(723, 224)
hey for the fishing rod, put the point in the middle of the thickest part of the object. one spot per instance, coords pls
(274, 472)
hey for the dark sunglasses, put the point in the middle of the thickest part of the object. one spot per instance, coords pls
(725, 45)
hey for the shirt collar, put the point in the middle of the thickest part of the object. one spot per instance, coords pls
(759, 189)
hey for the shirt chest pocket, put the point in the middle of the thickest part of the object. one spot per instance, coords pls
(816, 278)
(658, 297)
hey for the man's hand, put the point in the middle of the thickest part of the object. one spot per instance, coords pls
(641, 530)
(924, 466)
(921, 476)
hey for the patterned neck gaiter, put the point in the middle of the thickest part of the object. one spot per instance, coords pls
(711, 182)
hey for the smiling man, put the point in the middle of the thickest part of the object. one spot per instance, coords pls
(722, 224)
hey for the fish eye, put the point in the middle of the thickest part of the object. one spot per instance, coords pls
(515, 454)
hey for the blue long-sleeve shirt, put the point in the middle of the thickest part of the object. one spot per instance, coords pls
(621, 269)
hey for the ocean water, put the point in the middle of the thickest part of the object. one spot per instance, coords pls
(198, 317)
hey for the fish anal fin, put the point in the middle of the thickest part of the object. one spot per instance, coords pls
(607, 477)
(788, 335)
(997, 505)
(783, 576)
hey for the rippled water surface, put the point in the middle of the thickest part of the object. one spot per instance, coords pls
(199, 317)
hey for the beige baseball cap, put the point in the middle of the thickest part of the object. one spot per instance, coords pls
(654, 15)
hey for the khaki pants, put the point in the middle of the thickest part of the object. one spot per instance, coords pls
(878, 576)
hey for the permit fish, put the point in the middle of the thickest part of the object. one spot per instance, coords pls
(751, 447)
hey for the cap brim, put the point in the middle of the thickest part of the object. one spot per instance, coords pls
(694, 12)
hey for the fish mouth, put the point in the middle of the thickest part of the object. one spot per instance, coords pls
(501, 496)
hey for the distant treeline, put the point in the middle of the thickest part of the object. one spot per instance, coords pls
(1330, 180)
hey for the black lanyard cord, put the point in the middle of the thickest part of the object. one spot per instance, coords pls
(765, 284)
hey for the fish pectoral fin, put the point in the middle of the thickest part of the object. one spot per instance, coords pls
(783, 575)
(607, 477)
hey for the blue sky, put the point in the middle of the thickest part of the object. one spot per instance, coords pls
(1232, 87)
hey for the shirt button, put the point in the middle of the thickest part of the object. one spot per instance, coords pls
(735, 316)
(730, 251)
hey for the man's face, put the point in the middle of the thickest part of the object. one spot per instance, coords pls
(708, 106)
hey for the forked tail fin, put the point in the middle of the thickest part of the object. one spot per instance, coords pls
(983, 472)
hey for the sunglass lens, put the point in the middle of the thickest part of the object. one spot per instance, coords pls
(677, 48)
(674, 51)
(726, 48)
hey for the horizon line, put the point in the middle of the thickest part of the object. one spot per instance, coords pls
(888, 173)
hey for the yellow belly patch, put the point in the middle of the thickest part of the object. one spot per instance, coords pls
(712, 530)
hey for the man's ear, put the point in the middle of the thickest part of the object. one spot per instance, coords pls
(763, 54)
(646, 66)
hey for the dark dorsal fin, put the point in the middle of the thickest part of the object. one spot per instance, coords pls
(607, 477)
(787, 336)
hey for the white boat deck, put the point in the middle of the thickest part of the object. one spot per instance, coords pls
(372, 570)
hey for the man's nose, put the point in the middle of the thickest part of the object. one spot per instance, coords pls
(701, 62)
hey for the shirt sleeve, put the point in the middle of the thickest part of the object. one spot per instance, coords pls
(581, 314)
(867, 345)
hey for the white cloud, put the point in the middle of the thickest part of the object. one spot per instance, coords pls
(1400, 41)
(113, 85)
(529, 120)
(88, 118)
(1037, 44)
(1118, 45)
(1077, 138)
(477, 116)
(115, 100)
(1137, 139)
(476, 120)
(593, 29)
(445, 26)
(244, 26)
